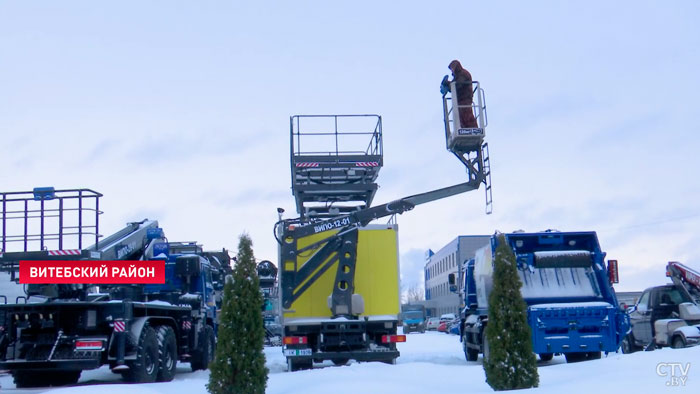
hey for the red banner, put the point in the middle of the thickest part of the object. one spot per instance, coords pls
(92, 272)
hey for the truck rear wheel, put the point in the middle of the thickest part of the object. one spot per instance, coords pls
(546, 356)
(145, 368)
(167, 353)
(469, 353)
(575, 357)
(340, 361)
(205, 350)
(678, 342)
(627, 345)
(27, 379)
(594, 355)
(64, 378)
(485, 345)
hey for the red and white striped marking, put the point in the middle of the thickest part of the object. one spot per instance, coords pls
(186, 325)
(306, 165)
(367, 164)
(119, 326)
(66, 252)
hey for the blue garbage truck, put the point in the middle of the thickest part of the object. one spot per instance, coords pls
(572, 308)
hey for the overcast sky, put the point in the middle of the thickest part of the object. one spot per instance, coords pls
(179, 111)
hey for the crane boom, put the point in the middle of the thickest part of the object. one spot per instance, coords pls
(685, 278)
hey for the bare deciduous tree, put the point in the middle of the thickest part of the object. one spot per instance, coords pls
(415, 293)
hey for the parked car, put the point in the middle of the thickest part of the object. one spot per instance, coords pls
(433, 323)
(447, 317)
(454, 327)
(445, 321)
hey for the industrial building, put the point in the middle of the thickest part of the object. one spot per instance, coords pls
(447, 260)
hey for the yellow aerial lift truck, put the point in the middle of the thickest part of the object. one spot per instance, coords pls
(339, 281)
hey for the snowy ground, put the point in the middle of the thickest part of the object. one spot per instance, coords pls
(429, 363)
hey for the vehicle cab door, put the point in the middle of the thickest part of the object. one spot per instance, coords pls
(665, 303)
(640, 319)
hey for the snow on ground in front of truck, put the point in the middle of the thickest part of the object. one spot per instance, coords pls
(430, 362)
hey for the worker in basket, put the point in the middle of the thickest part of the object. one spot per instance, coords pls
(465, 94)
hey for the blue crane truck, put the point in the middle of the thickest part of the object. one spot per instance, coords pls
(572, 308)
(141, 331)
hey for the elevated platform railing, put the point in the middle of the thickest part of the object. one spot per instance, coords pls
(49, 219)
(465, 123)
(335, 161)
(465, 129)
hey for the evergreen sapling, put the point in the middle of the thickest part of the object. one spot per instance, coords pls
(509, 361)
(239, 365)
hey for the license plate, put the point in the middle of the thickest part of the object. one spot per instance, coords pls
(297, 352)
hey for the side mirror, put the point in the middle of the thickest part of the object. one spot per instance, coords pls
(452, 283)
(641, 308)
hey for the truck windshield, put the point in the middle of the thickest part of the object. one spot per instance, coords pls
(413, 315)
(670, 296)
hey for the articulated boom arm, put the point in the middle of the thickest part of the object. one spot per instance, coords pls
(131, 241)
(365, 216)
(342, 175)
(685, 278)
(341, 247)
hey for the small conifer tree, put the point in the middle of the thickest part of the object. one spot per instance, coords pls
(239, 365)
(509, 362)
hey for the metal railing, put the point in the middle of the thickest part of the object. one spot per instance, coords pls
(45, 215)
(336, 135)
(451, 111)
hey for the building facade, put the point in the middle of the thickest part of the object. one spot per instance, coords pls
(447, 260)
